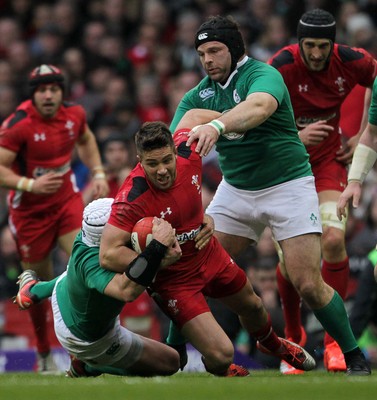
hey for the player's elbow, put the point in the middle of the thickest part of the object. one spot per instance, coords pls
(105, 260)
(131, 292)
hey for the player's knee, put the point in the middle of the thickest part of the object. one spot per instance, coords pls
(171, 363)
(315, 292)
(333, 241)
(218, 359)
(333, 230)
(254, 307)
(307, 288)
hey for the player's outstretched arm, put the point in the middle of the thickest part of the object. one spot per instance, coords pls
(363, 160)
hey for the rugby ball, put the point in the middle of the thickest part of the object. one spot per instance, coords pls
(141, 234)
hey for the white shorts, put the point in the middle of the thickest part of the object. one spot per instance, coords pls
(289, 209)
(119, 348)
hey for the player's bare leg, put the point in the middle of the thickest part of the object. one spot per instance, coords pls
(335, 267)
(302, 263)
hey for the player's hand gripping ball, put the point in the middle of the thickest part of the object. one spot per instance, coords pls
(141, 234)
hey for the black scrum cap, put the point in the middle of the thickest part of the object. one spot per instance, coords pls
(224, 30)
(43, 74)
(317, 24)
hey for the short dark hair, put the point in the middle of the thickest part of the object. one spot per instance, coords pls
(152, 136)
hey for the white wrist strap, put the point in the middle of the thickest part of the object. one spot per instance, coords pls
(363, 160)
(218, 125)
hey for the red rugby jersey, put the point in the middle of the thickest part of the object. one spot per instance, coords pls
(319, 95)
(42, 145)
(181, 205)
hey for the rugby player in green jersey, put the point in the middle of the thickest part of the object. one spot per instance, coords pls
(87, 300)
(267, 178)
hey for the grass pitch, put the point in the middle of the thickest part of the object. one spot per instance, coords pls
(260, 385)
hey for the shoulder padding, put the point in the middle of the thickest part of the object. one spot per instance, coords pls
(284, 58)
(348, 54)
(18, 116)
(183, 150)
(139, 186)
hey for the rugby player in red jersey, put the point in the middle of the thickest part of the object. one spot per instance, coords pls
(319, 74)
(167, 184)
(45, 205)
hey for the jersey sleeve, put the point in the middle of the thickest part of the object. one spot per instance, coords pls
(366, 69)
(373, 106)
(83, 120)
(267, 80)
(11, 138)
(125, 215)
(184, 105)
(96, 277)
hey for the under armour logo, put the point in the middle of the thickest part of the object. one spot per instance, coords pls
(303, 88)
(39, 137)
(168, 211)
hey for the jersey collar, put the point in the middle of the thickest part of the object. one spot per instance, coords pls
(239, 64)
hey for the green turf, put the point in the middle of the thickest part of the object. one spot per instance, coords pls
(261, 385)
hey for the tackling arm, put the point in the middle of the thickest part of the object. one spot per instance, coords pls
(248, 114)
(139, 268)
(123, 289)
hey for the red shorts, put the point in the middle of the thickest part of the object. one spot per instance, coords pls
(330, 174)
(181, 294)
(36, 234)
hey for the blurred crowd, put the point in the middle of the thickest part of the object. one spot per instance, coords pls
(131, 61)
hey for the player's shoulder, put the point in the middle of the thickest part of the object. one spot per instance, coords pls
(20, 116)
(348, 54)
(284, 57)
(70, 107)
(134, 187)
(180, 139)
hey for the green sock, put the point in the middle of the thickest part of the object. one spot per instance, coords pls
(334, 319)
(43, 290)
(175, 338)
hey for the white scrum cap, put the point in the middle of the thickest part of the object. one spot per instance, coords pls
(96, 214)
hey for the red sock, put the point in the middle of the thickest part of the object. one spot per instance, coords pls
(291, 304)
(337, 276)
(38, 314)
(267, 337)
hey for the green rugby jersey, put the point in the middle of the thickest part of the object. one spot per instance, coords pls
(264, 156)
(373, 105)
(87, 312)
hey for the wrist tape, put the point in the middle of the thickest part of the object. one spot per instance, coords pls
(363, 160)
(218, 125)
(143, 268)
